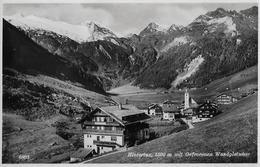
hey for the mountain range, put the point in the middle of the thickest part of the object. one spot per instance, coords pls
(214, 45)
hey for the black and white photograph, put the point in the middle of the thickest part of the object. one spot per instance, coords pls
(112, 82)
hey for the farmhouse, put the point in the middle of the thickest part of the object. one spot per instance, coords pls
(108, 128)
(170, 110)
(155, 110)
(225, 98)
(207, 110)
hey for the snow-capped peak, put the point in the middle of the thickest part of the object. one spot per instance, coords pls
(88, 31)
(88, 23)
(175, 27)
(155, 27)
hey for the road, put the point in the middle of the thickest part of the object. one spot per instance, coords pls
(188, 122)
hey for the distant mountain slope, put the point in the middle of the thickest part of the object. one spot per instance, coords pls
(86, 31)
(226, 41)
(41, 97)
(242, 81)
(111, 60)
(216, 44)
(235, 130)
(21, 53)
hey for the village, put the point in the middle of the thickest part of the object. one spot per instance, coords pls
(121, 126)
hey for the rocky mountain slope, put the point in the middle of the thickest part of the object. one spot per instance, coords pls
(86, 31)
(22, 54)
(214, 45)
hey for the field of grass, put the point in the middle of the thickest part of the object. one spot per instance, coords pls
(28, 138)
(160, 128)
(74, 89)
(32, 108)
(235, 130)
(243, 80)
(129, 89)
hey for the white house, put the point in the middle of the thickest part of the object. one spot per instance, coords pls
(109, 128)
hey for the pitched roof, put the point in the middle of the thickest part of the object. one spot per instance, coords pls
(127, 110)
(154, 106)
(170, 108)
(214, 105)
(170, 102)
(233, 94)
(81, 153)
(120, 113)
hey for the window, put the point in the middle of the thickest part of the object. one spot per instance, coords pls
(109, 119)
(146, 132)
(113, 138)
(102, 137)
(113, 128)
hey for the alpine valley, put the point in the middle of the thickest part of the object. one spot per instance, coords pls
(54, 70)
(214, 45)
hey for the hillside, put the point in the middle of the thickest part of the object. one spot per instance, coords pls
(214, 45)
(21, 53)
(34, 108)
(240, 82)
(235, 130)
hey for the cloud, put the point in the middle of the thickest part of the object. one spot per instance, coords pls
(128, 31)
(121, 18)
(72, 13)
(176, 15)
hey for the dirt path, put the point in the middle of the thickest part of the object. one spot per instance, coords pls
(188, 122)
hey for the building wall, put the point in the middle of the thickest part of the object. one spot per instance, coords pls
(207, 111)
(89, 138)
(143, 134)
(188, 112)
(105, 149)
(168, 116)
(225, 99)
(152, 112)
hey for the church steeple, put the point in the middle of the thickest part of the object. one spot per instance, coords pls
(186, 99)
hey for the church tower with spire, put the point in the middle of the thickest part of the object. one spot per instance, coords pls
(186, 99)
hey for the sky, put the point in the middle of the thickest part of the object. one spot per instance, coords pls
(122, 18)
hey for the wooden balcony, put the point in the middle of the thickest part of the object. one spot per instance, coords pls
(106, 143)
(107, 132)
(101, 123)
